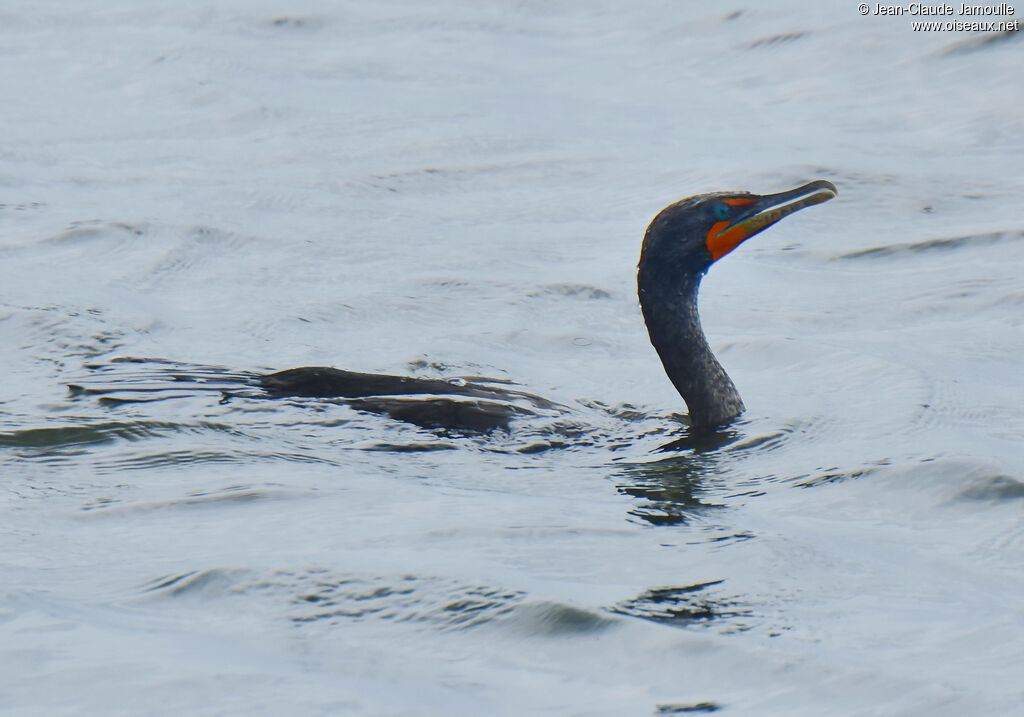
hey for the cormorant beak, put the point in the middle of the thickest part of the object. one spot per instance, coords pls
(760, 212)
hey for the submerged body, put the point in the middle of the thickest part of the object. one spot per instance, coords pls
(482, 404)
(468, 405)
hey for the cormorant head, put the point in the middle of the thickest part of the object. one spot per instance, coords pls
(687, 237)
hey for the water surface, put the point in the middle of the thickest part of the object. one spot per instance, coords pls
(461, 189)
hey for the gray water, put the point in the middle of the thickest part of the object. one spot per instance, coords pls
(461, 188)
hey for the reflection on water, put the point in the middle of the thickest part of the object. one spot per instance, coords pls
(689, 605)
(673, 490)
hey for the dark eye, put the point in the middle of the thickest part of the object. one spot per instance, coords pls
(720, 212)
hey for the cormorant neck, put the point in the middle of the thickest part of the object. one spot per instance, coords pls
(670, 310)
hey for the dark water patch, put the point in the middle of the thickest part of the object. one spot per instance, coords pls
(745, 494)
(740, 537)
(99, 503)
(96, 433)
(412, 447)
(676, 426)
(695, 708)
(994, 488)
(99, 343)
(699, 442)
(134, 397)
(667, 506)
(982, 41)
(829, 476)
(783, 38)
(295, 22)
(21, 206)
(687, 606)
(932, 245)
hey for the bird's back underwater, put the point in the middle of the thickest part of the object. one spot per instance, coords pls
(467, 404)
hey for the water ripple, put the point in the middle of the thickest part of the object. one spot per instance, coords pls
(689, 605)
(324, 597)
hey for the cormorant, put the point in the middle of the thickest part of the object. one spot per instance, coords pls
(680, 245)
